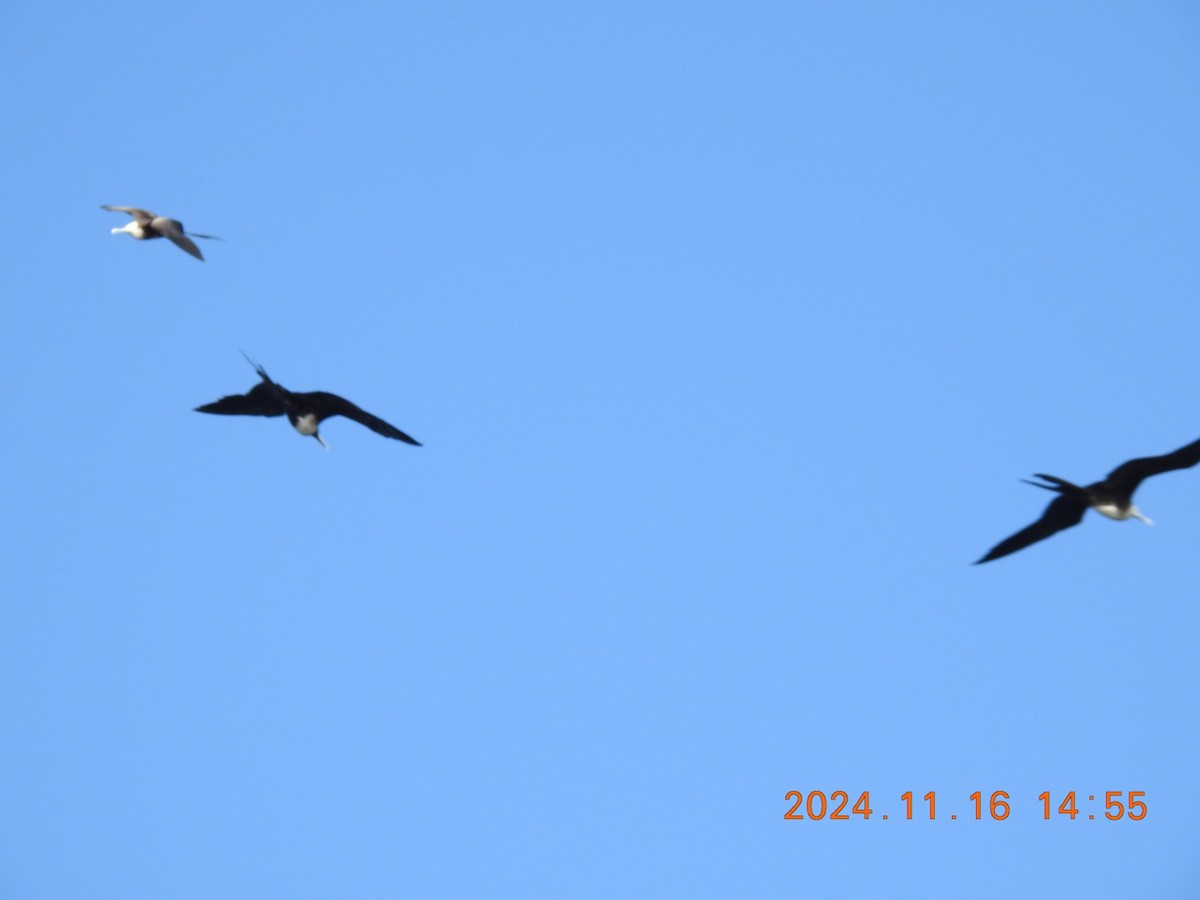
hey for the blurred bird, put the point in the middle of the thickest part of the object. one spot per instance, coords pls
(146, 225)
(304, 411)
(1112, 497)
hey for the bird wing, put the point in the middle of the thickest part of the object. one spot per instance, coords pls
(1127, 476)
(326, 405)
(141, 216)
(170, 228)
(1063, 512)
(261, 400)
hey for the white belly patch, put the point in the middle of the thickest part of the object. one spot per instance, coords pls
(307, 425)
(1112, 511)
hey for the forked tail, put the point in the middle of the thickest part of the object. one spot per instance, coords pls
(262, 373)
(1057, 485)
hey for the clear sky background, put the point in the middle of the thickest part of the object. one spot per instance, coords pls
(729, 330)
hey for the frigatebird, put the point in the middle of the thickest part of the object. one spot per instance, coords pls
(146, 225)
(1112, 497)
(305, 411)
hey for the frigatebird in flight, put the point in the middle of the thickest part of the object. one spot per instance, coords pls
(146, 225)
(1112, 497)
(306, 411)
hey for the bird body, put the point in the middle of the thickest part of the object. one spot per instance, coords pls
(1120, 513)
(305, 411)
(145, 226)
(1099, 496)
(1112, 497)
(136, 230)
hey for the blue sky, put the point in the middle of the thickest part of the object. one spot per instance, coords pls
(729, 330)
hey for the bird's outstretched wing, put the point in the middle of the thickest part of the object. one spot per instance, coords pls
(173, 229)
(327, 405)
(261, 400)
(1063, 512)
(141, 216)
(1127, 476)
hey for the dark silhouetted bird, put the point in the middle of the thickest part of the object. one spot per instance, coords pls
(305, 411)
(146, 225)
(1112, 497)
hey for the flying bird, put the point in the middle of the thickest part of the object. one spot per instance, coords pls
(305, 411)
(146, 225)
(1112, 497)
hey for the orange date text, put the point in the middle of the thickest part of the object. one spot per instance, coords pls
(996, 806)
